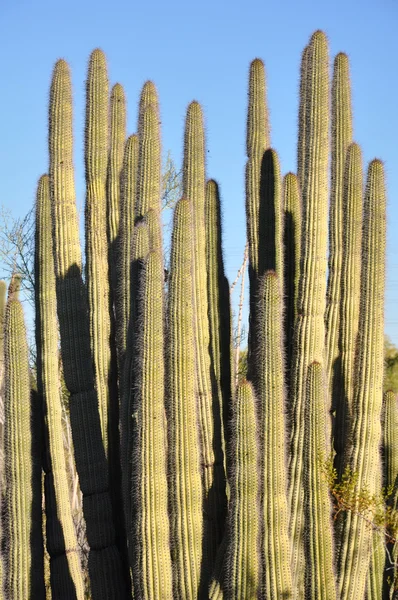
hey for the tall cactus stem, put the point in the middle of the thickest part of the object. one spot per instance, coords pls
(291, 243)
(104, 558)
(319, 569)
(97, 274)
(343, 390)
(341, 117)
(364, 457)
(390, 454)
(242, 558)
(152, 574)
(214, 498)
(309, 333)
(65, 567)
(24, 569)
(186, 502)
(270, 390)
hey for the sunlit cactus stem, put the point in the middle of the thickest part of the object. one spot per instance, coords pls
(214, 497)
(186, 501)
(364, 456)
(65, 567)
(318, 537)
(276, 579)
(309, 335)
(242, 554)
(24, 572)
(104, 559)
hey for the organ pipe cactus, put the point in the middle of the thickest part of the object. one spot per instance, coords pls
(211, 502)
(309, 329)
(65, 568)
(24, 550)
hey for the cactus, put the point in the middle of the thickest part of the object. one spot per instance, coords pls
(341, 118)
(186, 496)
(242, 554)
(65, 568)
(24, 570)
(343, 390)
(319, 569)
(309, 330)
(390, 451)
(97, 273)
(152, 575)
(270, 388)
(214, 497)
(189, 443)
(104, 558)
(291, 244)
(363, 457)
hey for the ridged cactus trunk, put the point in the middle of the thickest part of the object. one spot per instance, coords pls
(186, 494)
(97, 272)
(219, 313)
(65, 567)
(364, 457)
(152, 573)
(24, 569)
(213, 474)
(276, 579)
(104, 558)
(320, 583)
(341, 122)
(3, 292)
(343, 394)
(309, 333)
(242, 565)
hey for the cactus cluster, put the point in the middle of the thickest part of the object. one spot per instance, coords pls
(192, 487)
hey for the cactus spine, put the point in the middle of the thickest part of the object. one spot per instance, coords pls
(364, 459)
(309, 332)
(210, 432)
(24, 573)
(104, 558)
(319, 575)
(269, 377)
(65, 568)
(184, 451)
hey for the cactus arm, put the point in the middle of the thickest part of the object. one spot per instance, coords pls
(364, 458)
(302, 116)
(214, 498)
(152, 574)
(24, 573)
(320, 581)
(270, 390)
(390, 451)
(341, 117)
(310, 331)
(65, 568)
(104, 558)
(186, 503)
(3, 294)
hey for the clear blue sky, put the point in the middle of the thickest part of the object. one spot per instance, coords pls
(198, 51)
